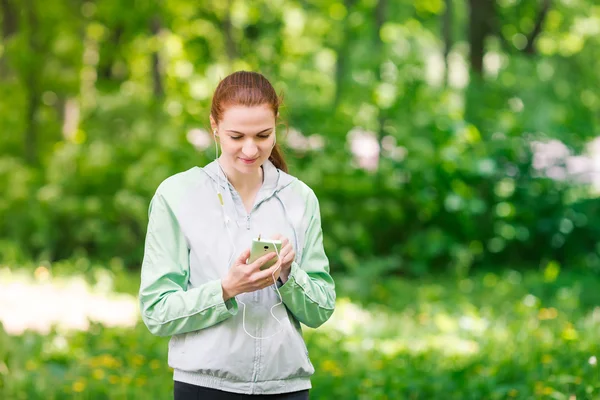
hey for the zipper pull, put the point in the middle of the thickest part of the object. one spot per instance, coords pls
(248, 222)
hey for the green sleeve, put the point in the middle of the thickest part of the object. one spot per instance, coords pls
(167, 306)
(309, 292)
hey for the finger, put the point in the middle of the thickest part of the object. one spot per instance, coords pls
(266, 278)
(272, 279)
(276, 236)
(243, 257)
(262, 260)
(289, 257)
(285, 250)
(268, 273)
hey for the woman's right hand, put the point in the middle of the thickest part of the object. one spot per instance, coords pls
(245, 278)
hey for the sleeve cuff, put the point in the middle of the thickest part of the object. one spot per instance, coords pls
(294, 281)
(230, 306)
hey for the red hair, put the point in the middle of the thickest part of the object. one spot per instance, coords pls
(250, 89)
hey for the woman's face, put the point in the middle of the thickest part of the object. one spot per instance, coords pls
(247, 137)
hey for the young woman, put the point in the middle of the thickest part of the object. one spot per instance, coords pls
(235, 329)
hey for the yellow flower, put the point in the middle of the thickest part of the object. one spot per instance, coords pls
(155, 364)
(331, 367)
(138, 359)
(141, 381)
(41, 273)
(104, 360)
(513, 393)
(378, 365)
(547, 313)
(98, 374)
(569, 333)
(113, 379)
(539, 387)
(109, 361)
(546, 359)
(78, 386)
(30, 365)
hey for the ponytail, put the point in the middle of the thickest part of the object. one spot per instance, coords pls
(277, 158)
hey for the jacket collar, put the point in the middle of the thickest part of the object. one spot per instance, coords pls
(273, 178)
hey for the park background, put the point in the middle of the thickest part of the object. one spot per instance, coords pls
(453, 146)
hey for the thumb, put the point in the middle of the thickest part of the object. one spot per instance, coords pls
(243, 257)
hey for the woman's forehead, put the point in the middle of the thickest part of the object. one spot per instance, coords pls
(248, 116)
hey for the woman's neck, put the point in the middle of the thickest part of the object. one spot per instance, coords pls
(243, 183)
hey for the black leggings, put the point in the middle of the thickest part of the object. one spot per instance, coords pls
(186, 391)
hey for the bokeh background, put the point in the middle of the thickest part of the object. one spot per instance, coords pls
(453, 146)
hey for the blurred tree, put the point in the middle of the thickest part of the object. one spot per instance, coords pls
(417, 117)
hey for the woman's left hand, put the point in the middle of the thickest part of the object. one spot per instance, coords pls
(286, 257)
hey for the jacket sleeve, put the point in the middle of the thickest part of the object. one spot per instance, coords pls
(309, 292)
(167, 306)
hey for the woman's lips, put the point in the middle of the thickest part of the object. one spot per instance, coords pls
(247, 161)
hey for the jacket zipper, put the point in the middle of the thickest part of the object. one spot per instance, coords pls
(255, 207)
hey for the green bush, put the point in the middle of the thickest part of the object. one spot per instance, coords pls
(455, 202)
(491, 336)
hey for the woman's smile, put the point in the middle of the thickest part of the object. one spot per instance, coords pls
(248, 161)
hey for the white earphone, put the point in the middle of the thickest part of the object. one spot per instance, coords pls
(227, 221)
(219, 194)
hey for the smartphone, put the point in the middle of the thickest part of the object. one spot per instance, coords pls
(260, 247)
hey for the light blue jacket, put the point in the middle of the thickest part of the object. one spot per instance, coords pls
(188, 252)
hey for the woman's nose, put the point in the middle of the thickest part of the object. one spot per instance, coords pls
(250, 149)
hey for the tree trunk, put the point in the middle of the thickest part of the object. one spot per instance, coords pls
(342, 53)
(9, 28)
(230, 45)
(108, 54)
(481, 13)
(378, 45)
(537, 29)
(9, 19)
(31, 81)
(157, 83)
(448, 39)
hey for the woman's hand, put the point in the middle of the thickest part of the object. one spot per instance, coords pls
(286, 257)
(245, 278)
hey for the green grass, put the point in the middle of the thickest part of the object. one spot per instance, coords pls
(506, 336)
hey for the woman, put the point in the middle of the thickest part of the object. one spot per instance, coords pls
(193, 278)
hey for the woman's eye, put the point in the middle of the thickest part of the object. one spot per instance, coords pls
(259, 136)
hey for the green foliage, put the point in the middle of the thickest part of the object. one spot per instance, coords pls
(98, 101)
(491, 336)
